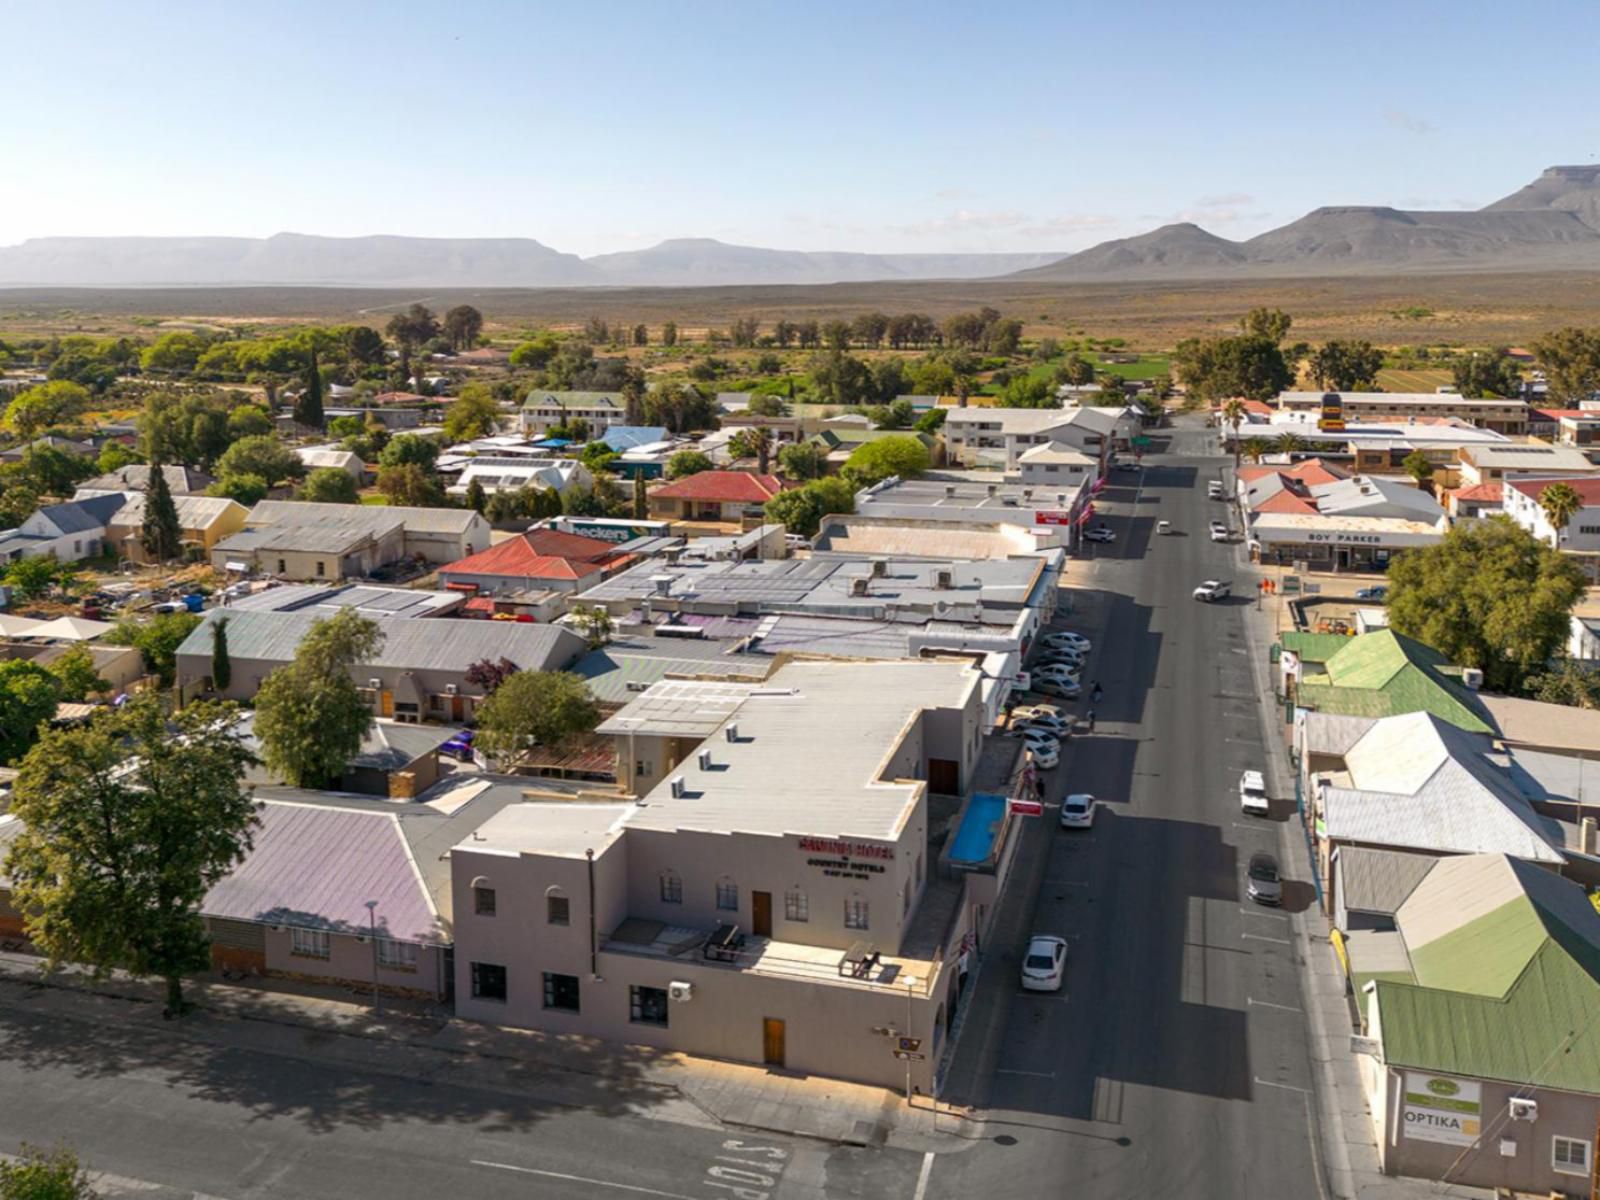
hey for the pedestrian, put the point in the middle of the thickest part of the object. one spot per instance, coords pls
(1091, 720)
(1095, 693)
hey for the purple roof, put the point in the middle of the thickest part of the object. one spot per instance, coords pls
(316, 866)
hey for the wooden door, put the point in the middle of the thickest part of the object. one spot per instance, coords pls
(386, 704)
(457, 709)
(772, 1041)
(761, 913)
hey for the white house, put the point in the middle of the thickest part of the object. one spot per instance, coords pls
(1056, 463)
(316, 458)
(1580, 538)
(68, 532)
(543, 411)
(997, 437)
(514, 474)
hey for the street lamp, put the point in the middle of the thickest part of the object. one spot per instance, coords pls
(372, 924)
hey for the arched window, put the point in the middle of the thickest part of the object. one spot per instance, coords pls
(671, 887)
(483, 899)
(557, 908)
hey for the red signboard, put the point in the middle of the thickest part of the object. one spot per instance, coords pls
(1051, 516)
(1026, 808)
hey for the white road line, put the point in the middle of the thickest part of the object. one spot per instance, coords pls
(1257, 827)
(621, 1187)
(1256, 937)
(1288, 1087)
(1251, 1000)
(922, 1175)
(1257, 912)
(1031, 1074)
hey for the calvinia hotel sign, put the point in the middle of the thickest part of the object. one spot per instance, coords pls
(1438, 1109)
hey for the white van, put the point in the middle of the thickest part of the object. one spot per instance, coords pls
(1253, 795)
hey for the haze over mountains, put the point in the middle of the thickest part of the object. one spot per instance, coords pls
(1551, 224)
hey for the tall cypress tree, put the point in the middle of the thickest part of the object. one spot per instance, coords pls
(641, 501)
(160, 535)
(221, 664)
(308, 408)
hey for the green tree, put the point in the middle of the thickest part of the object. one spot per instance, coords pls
(1490, 595)
(157, 640)
(801, 510)
(39, 1174)
(411, 486)
(1417, 466)
(221, 663)
(310, 716)
(1256, 448)
(1571, 362)
(31, 577)
(1566, 682)
(803, 460)
(536, 353)
(308, 405)
(160, 534)
(462, 325)
(1270, 323)
(28, 696)
(1233, 412)
(126, 824)
(669, 334)
(474, 414)
(593, 621)
(1560, 502)
(688, 462)
(37, 408)
(247, 489)
(543, 708)
(641, 497)
(265, 456)
(874, 461)
(1077, 370)
(76, 675)
(410, 449)
(249, 420)
(1251, 367)
(1494, 373)
(476, 499)
(1289, 443)
(1346, 366)
(411, 330)
(113, 457)
(329, 485)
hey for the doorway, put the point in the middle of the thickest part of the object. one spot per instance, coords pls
(944, 776)
(761, 914)
(772, 1041)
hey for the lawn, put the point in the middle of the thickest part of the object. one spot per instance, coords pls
(1423, 379)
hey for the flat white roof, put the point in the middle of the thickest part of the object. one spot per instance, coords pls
(567, 830)
(1403, 399)
(810, 754)
(1303, 527)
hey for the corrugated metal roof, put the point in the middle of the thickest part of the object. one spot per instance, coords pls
(616, 673)
(1384, 674)
(372, 517)
(1378, 881)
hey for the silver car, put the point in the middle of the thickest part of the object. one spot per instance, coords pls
(1266, 884)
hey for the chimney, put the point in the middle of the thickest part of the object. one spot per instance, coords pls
(1471, 678)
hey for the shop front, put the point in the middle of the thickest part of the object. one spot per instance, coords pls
(1337, 544)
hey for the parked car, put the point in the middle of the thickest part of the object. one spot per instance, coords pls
(1046, 758)
(1253, 794)
(1025, 711)
(1066, 637)
(1058, 658)
(1266, 885)
(460, 746)
(1077, 811)
(1063, 689)
(1100, 533)
(1044, 966)
(1219, 531)
(1054, 726)
(1378, 592)
(1213, 590)
(1037, 738)
(1214, 489)
(1127, 464)
(1058, 675)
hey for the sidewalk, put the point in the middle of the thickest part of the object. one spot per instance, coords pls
(535, 1067)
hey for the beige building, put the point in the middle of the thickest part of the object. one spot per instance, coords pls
(1502, 416)
(298, 540)
(762, 902)
(203, 520)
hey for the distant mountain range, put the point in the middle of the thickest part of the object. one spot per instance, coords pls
(1552, 224)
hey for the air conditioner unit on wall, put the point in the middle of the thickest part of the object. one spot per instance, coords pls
(681, 992)
(1523, 1109)
(451, 689)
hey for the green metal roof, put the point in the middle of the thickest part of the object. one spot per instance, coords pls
(1385, 674)
(1510, 995)
(1314, 647)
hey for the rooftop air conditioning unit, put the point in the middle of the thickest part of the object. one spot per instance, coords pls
(677, 787)
(452, 689)
(1523, 1109)
(992, 490)
(944, 580)
(680, 992)
(732, 733)
(1027, 493)
(706, 762)
(1471, 678)
(637, 685)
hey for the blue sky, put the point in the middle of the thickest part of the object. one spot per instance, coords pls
(599, 127)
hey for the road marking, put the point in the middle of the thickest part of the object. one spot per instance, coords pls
(1031, 1074)
(605, 1183)
(1066, 883)
(1256, 912)
(922, 1175)
(1288, 1087)
(1256, 827)
(1256, 937)
(1251, 1000)
(1062, 997)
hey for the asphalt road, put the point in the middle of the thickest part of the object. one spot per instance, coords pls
(1175, 1061)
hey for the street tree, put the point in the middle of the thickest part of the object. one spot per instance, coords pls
(310, 716)
(1233, 412)
(1346, 366)
(1494, 373)
(28, 696)
(126, 824)
(543, 708)
(160, 534)
(900, 455)
(1560, 502)
(1489, 595)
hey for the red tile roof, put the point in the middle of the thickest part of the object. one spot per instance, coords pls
(1285, 501)
(541, 554)
(398, 398)
(1587, 487)
(1490, 493)
(725, 487)
(1259, 407)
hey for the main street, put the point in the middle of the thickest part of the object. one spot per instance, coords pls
(1175, 1060)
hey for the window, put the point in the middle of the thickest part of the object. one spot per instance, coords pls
(321, 568)
(905, 899)
(855, 913)
(558, 909)
(561, 991)
(1589, 529)
(309, 943)
(727, 895)
(488, 981)
(282, 567)
(671, 888)
(647, 1006)
(1570, 1156)
(796, 906)
(397, 956)
(483, 901)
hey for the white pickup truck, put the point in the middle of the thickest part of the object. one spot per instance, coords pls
(1253, 794)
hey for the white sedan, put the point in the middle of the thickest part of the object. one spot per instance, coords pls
(1044, 966)
(1077, 811)
(1045, 757)
(1100, 533)
(1065, 637)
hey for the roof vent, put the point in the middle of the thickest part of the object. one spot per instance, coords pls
(731, 732)
(1061, 497)
(662, 584)
(880, 568)
(992, 490)
(944, 580)
(676, 784)
(637, 685)
(1471, 678)
(858, 586)
(706, 762)
(1027, 493)
(949, 491)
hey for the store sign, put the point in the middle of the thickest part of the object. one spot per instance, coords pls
(1051, 516)
(846, 849)
(1345, 539)
(1440, 1109)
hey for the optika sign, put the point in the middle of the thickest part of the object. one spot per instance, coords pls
(1440, 1109)
(846, 849)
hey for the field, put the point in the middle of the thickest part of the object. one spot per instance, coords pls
(1409, 310)
(1427, 379)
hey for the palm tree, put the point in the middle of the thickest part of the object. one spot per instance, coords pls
(1561, 503)
(759, 441)
(1288, 443)
(1233, 415)
(1256, 448)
